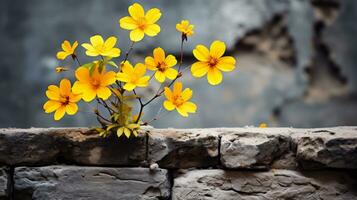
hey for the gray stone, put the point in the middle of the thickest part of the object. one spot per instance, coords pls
(37, 146)
(327, 148)
(4, 183)
(271, 185)
(253, 147)
(175, 148)
(90, 183)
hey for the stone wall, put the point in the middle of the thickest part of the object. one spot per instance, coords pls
(179, 164)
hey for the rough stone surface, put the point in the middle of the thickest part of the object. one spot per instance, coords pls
(174, 148)
(271, 185)
(329, 147)
(38, 146)
(254, 147)
(4, 183)
(90, 183)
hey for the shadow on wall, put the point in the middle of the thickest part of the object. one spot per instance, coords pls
(295, 58)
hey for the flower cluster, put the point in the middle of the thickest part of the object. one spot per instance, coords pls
(113, 85)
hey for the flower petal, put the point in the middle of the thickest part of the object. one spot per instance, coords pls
(177, 88)
(140, 69)
(96, 40)
(217, 49)
(123, 77)
(129, 86)
(170, 60)
(136, 11)
(181, 110)
(189, 107)
(214, 76)
(51, 106)
(113, 53)
(171, 73)
(160, 76)
(168, 105)
(108, 78)
(136, 35)
(152, 30)
(153, 15)
(65, 87)
(159, 54)
(82, 74)
(60, 113)
(143, 82)
(150, 63)
(226, 63)
(201, 53)
(128, 23)
(71, 108)
(127, 132)
(199, 69)
(168, 93)
(62, 55)
(104, 93)
(110, 42)
(186, 94)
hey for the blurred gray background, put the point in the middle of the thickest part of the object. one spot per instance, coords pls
(296, 59)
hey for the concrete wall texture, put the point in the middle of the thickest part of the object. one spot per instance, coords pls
(296, 58)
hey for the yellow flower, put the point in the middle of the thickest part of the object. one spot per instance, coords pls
(133, 76)
(179, 99)
(263, 125)
(211, 62)
(140, 23)
(99, 47)
(93, 85)
(185, 28)
(68, 50)
(61, 99)
(162, 65)
(61, 69)
(128, 129)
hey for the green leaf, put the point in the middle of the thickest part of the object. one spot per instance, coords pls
(88, 65)
(112, 63)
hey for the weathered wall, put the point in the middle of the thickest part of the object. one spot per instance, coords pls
(179, 164)
(296, 58)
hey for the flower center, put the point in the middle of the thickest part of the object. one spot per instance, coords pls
(64, 100)
(95, 83)
(161, 66)
(178, 100)
(142, 23)
(213, 62)
(100, 48)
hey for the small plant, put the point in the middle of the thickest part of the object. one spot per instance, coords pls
(115, 89)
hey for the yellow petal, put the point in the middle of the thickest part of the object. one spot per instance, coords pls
(150, 63)
(74, 98)
(96, 40)
(136, 11)
(53, 88)
(199, 69)
(153, 15)
(214, 76)
(82, 74)
(75, 45)
(160, 76)
(104, 93)
(71, 108)
(177, 88)
(181, 110)
(140, 69)
(152, 30)
(65, 87)
(127, 68)
(120, 131)
(51, 106)
(168, 105)
(189, 107)
(108, 78)
(127, 132)
(110, 42)
(66, 46)
(88, 47)
(88, 94)
(171, 73)
(128, 23)
(143, 82)
(201, 53)
(136, 35)
(123, 77)
(186, 94)
(168, 93)
(170, 61)
(129, 86)
(60, 113)
(226, 63)
(113, 53)
(62, 55)
(217, 49)
(159, 54)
